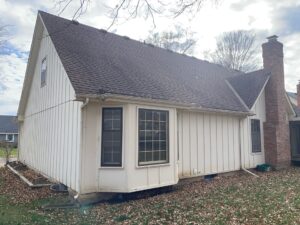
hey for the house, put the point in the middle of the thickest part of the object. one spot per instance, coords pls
(295, 125)
(9, 129)
(295, 100)
(103, 113)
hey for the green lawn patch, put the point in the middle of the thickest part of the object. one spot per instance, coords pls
(14, 153)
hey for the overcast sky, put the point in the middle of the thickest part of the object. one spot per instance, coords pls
(265, 17)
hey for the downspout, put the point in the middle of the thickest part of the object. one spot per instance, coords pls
(240, 146)
(85, 103)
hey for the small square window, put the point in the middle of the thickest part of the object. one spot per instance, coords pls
(10, 137)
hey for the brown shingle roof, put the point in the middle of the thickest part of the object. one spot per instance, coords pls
(97, 61)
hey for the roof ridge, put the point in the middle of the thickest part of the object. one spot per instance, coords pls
(192, 57)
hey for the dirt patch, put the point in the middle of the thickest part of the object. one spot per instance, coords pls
(19, 192)
(31, 175)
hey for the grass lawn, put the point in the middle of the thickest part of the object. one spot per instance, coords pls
(273, 198)
(14, 153)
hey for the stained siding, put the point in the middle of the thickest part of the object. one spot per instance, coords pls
(208, 143)
(249, 159)
(50, 133)
(130, 177)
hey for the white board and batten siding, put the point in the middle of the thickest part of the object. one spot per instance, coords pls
(50, 132)
(208, 143)
(130, 177)
(216, 143)
(249, 159)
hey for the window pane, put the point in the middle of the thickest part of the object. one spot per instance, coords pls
(107, 125)
(149, 135)
(149, 125)
(116, 124)
(142, 156)
(148, 115)
(142, 146)
(155, 155)
(149, 145)
(153, 136)
(163, 155)
(111, 137)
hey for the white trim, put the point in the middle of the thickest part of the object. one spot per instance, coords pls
(154, 164)
(9, 133)
(12, 140)
(99, 155)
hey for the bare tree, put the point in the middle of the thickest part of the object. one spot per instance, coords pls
(181, 40)
(130, 9)
(236, 50)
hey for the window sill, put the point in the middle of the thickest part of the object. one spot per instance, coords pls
(256, 153)
(152, 165)
(111, 167)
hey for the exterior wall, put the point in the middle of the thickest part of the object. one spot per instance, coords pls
(208, 143)
(249, 159)
(50, 132)
(130, 177)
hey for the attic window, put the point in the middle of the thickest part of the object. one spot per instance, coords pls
(43, 72)
(255, 136)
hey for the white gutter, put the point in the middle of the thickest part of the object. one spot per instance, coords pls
(85, 103)
(184, 106)
(87, 100)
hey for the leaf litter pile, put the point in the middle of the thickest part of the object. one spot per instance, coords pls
(273, 198)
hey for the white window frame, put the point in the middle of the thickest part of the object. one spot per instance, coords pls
(152, 163)
(100, 137)
(13, 137)
(261, 137)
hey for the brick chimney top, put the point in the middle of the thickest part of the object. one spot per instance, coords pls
(272, 38)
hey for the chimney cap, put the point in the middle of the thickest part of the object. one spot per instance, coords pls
(272, 38)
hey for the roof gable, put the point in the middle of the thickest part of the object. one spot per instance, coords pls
(99, 62)
(249, 86)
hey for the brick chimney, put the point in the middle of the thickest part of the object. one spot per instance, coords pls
(298, 94)
(276, 127)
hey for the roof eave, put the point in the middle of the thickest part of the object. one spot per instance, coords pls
(169, 103)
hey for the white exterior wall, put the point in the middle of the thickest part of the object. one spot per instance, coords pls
(50, 133)
(208, 143)
(249, 159)
(130, 177)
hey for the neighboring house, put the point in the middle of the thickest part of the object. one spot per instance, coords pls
(295, 125)
(293, 97)
(9, 129)
(103, 113)
(295, 100)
